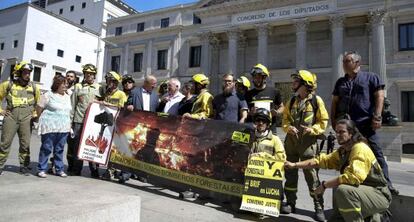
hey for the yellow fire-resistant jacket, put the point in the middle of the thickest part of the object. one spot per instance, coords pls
(203, 106)
(18, 95)
(269, 144)
(292, 114)
(357, 166)
(118, 98)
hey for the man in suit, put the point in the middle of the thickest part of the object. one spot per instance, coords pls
(145, 97)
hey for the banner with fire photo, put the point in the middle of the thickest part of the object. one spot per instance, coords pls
(97, 133)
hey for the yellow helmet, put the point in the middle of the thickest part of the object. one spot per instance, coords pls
(19, 67)
(260, 69)
(201, 79)
(114, 75)
(308, 78)
(244, 81)
(89, 68)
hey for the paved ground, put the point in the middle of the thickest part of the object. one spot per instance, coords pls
(19, 195)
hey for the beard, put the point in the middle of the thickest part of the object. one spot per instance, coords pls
(227, 90)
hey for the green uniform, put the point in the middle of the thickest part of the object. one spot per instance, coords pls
(303, 146)
(363, 190)
(21, 101)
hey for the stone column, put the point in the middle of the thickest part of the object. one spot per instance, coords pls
(205, 53)
(175, 55)
(379, 65)
(301, 29)
(262, 36)
(233, 36)
(337, 29)
(126, 60)
(215, 65)
(242, 44)
(149, 58)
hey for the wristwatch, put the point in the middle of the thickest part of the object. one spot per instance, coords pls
(377, 117)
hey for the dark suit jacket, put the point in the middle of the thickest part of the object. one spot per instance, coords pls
(136, 97)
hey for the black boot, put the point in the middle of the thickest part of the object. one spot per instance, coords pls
(319, 215)
(287, 208)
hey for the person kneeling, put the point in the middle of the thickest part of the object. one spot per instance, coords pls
(362, 190)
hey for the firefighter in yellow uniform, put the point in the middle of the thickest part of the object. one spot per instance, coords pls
(21, 96)
(83, 94)
(362, 193)
(264, 140)
(111, 94)
(203, 104)
(304, 120)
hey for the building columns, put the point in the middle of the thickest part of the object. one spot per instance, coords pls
(205, 53)
(215, 65)
(233, 36)
(337, 29)
(126, 60)
(379, 65)
(262, 36)
(301, 35)
(149, 58)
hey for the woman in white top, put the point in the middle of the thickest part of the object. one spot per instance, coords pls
(54, 125)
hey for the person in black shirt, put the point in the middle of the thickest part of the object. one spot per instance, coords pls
(262, 96)
(186, 103)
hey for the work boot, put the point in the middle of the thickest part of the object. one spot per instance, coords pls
(25, 171)
(393, 191)
(95, 174)
(319, 215)
(287, 208)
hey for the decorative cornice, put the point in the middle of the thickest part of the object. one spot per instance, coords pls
(301, 24)
(337, 21)
(377, 17)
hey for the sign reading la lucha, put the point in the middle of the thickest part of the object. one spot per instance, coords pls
(294, 11)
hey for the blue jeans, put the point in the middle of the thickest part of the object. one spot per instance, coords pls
(55, 142)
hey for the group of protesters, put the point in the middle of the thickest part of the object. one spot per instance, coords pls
(363, 186)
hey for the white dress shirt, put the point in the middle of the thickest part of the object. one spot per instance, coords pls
(146, 97)
(171, 106)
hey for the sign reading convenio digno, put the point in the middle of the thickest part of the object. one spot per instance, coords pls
(294, 11)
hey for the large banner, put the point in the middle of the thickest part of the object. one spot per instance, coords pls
(205, 156)
(97, 133)
(263, 189)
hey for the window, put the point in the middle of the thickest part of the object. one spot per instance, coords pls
(78, 59)
(407, 106)
(72, 8)
(15, 43)
(11, 71)
(60, 11)
(138, 62)
(140, 27)
(115, 62)
(60, 53)
(118, 31)
(83, 4)
(36, 74)
(196, 20)
(39, 46)
(82, 21)
(406, 36)
(195, 56)
(2, 46)
(165, 22)
(162, 59)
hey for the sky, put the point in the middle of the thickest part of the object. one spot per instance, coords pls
(140, 5)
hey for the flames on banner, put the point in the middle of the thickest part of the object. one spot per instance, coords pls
(186, 145)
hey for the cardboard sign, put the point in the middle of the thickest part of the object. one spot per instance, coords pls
(263, 188)
(97, 133)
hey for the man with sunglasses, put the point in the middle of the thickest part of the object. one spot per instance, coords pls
(21, 96)
(359, 96)
(264, 96)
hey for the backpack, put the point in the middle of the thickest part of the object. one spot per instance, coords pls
(313, 102)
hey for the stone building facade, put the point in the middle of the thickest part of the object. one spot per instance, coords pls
(230, 36)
